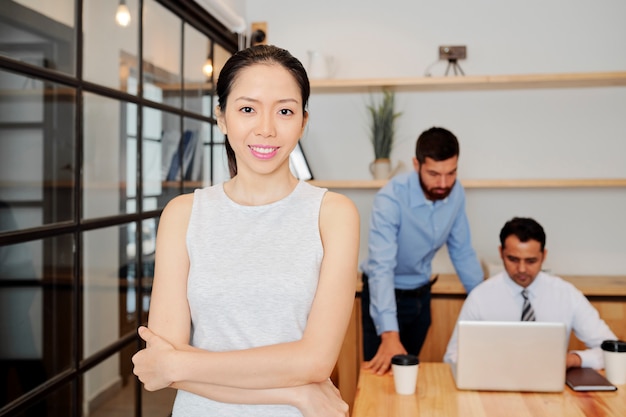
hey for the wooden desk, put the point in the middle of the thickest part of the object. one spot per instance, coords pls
(436, 395)
(607, 294)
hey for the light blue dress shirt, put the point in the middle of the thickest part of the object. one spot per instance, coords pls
(406, 231)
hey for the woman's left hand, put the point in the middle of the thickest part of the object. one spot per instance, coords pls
(321, 399)
(153, 362)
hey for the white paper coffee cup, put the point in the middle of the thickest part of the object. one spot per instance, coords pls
(404, 368)
(614, 352)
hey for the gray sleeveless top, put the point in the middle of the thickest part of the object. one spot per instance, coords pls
(253, 275)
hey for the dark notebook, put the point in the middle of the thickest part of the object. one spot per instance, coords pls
(587, 379)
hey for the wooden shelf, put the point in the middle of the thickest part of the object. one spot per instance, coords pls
(495, 183)
(547, 183)
(367, 184)
(475, 82)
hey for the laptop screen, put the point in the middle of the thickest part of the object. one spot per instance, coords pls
(511, 356)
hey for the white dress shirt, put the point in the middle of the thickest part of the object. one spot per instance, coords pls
(499, 298)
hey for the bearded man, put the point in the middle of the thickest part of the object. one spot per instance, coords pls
(413, 216)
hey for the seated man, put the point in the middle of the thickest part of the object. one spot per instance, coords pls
(550, 298)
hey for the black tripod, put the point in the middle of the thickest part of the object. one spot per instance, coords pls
(453, 62)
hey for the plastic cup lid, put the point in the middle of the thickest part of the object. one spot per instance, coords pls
(405, 360)
(614, 346)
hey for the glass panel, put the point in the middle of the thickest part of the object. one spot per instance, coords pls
(220, 164)
(218, 136)
(148, 236)
(149, 229)
(219, 158)
(57, 404)
(130, 140)
(220, 56)
(37, 149)
(109, 392)
(36, 313)
(109, 156)
(110, 50)
(198, 66)
(162, 49)
(197, 173)
(40, 33)
(161, 157)
(209, 101)
(128, 271)
(109, 303)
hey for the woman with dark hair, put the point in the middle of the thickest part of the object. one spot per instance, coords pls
(260, 55)
(254, 277)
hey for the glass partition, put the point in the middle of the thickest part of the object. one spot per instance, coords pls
(109, 258)
(87, 160)
(197, 172)
(41, 34)
(108, 125)
(37, 313)
(56, 404)
(218, 159)
(165, 153)
(37, 152)
(220, 164)
(110, 282)
(115, 397)
(198, 71)
(107, 391)
(161, 48)
(110, 49)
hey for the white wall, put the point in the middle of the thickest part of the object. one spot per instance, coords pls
(551, 133)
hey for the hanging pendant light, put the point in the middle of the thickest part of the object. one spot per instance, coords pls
(122, 16)
(207, 68)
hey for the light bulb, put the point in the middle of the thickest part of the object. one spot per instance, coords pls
(207, 68)
(122, 16)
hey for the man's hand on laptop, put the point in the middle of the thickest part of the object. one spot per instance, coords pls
(573, 360)
(390, 346)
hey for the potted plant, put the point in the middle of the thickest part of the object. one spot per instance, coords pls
(382, 131)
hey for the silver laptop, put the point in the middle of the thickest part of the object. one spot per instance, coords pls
(511, 356)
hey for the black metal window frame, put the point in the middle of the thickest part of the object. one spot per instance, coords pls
(190, 13)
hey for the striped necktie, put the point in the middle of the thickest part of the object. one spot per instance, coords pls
(528, 314)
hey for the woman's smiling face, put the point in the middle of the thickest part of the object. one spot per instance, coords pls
(264, 118)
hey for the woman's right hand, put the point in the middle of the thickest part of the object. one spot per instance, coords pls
(321, 399)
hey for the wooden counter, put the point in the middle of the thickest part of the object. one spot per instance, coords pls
(597, 285)
(606, 293)
(436, 395)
